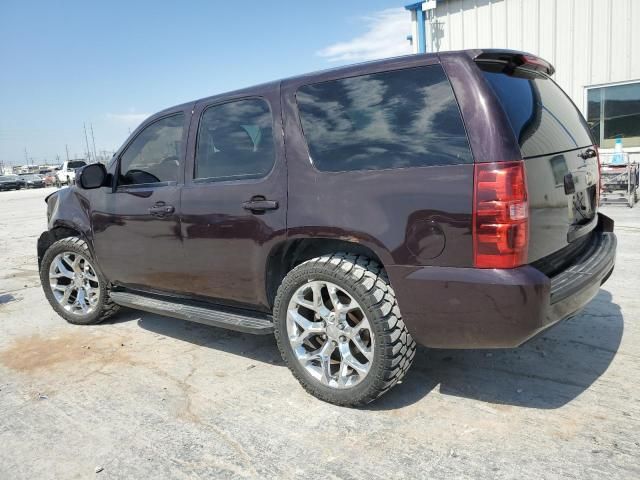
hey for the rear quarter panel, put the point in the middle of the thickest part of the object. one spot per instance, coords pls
(409, 216)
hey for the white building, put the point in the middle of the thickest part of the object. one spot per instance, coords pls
(594, 46)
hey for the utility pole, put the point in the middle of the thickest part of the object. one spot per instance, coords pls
(67, 149)
(93, 139)
(86, 141)
(26, 156)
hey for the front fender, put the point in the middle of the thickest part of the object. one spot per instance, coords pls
(68, 214)
(69, 208)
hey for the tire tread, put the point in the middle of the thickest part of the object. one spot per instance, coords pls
(370, 278)
(108, 308)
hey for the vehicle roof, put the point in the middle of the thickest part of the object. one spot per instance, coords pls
(345, 70)
(362, 68)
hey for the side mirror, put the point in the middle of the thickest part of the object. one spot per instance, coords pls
(92, 176)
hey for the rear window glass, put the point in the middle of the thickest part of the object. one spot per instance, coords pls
(77, 164)
(404, 118)
(543, 118)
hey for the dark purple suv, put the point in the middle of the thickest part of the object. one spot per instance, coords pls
(446, 199)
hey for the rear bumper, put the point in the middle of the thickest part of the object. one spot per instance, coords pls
(447, 307)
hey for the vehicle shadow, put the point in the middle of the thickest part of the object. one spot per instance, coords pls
(546, 373)
(261, 348)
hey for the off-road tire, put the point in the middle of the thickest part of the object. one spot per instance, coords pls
(105, 309)
(367, 282)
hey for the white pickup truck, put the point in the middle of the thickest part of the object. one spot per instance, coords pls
(67, 174)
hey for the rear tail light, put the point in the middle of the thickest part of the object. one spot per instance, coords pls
(500, 215)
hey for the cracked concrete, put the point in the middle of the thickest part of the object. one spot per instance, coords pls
(146, 396)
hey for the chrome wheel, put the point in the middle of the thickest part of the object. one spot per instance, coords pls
(74, 283)
(330, 335)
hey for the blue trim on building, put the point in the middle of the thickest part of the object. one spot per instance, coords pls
(414, 6)
(422, 35)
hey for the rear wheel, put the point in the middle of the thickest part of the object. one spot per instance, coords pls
(73, 286)
(340, 331)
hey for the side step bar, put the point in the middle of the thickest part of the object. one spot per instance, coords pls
(230, 319)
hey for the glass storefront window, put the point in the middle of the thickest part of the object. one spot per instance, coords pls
(614, 111)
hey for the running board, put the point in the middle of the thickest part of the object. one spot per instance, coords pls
(232, 320)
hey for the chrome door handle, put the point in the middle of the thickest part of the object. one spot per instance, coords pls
(161, 209)
(260, 205)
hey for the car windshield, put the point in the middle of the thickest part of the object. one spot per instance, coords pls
(32, 177)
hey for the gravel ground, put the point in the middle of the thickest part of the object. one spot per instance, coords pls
(145, 396)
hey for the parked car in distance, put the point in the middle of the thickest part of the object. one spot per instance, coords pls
(10, 182)
(32, 180)
(49, 179)
(67, 173)
(446, 199)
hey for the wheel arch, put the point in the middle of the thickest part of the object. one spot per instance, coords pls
(59, 232)
(292, 252)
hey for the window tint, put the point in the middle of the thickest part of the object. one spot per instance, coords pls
(154, 155)
(406, 118)
(614, 112)
(235, 141)
(542, 117)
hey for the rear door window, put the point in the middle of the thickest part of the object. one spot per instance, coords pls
(543, 118)
(398, 119)
(235, 141)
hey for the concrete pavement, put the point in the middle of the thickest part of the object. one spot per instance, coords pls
(145, 396)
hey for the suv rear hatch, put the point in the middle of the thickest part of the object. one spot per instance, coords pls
(561, 165)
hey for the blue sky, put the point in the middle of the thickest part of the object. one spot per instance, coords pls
(111, 63)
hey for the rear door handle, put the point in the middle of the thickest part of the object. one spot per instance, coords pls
(161, 209)
(260, 205)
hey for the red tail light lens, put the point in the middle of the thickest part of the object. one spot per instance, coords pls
(500, 215)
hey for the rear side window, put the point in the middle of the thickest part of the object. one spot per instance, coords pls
(404, 118)
(543, 118)
(235, 141)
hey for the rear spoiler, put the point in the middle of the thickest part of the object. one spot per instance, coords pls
(513, 59)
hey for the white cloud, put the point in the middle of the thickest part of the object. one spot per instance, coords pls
(386, 36)
(129, 119)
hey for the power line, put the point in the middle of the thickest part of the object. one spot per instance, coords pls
(93, 139)
(86, 141)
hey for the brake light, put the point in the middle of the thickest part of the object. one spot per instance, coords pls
(500, 215)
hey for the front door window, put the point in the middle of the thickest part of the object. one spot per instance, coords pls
(154, 156)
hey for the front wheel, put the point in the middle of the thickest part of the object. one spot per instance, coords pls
(340, 331)
(72, 285)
